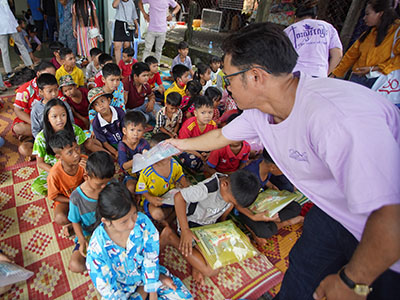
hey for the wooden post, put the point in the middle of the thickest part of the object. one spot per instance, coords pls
(351, 21)
(263, 10)
(189, 31)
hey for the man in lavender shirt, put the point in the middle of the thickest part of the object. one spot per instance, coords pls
(157, 18)
(337, 142)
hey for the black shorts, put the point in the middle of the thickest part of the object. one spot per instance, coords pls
(121, 32)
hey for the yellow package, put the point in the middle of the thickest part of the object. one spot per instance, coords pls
(223, 244)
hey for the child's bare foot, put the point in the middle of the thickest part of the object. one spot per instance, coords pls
(68, 231)
(198, 277)
(260, 241)
(292, 221)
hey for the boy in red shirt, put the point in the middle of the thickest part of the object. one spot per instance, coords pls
(199, 124)
(127, 61)
(154, 77)
(104, 59)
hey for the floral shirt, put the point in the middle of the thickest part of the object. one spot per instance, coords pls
(39, 147)
(117, 272)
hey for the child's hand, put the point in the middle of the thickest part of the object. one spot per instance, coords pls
(262, 217)
(5, 258)
(82, 162)
(156, 201)
(204, 156)
(167, 281)
(83, 248)
(185, 243)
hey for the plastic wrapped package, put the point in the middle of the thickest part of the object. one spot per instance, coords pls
(11, 273)
(159, 152)
(273, 201)
(223, 244)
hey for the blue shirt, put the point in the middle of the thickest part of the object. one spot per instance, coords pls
(126, 154)
(109, 132)
(254, 167)
(36, 14)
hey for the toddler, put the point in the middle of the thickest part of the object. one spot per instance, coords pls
(127, 61)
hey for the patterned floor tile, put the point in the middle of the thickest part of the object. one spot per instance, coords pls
(33, 215)
(86, 291)
(62, 241)
(7, 197)
(12, 248)
(74, 279)
(6, 178)
(8, 223)
(24, 174)
(18, 291)
(23, 193)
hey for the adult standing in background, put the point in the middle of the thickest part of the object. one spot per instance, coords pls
(125, 27)
(37, 16)
(9, 26)
(157, 18)
(316, 42)
(66, 34)
(49, 16)
(84, 18)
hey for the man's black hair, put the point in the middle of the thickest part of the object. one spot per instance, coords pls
(212, 92)
(245, 187)
(94, 52)
(43, 65)
(159, 137)
(129, 51)
(46, 79)
(64, 52)
(56, 46)
(61, 139)
(100, 165)
(261, 44)
(266, 157)
(183, 45)
(178, 71)
(174, 99)
(103, 58)
(135, 118)
(200, 101)
(151, 60)
(139, 68)
(111, 69)
(215, 59)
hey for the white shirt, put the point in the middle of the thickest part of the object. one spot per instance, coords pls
(8, 23)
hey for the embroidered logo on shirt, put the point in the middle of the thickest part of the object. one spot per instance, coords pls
(298, 155)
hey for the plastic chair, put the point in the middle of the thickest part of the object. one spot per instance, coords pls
(134, 44)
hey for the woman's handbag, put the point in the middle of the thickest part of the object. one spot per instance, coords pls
(389, 85)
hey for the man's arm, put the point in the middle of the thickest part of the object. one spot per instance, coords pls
(145, 14)
(115, 3)
(335, 56)
(378, 249)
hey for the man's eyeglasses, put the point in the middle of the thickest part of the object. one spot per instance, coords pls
(227, 81)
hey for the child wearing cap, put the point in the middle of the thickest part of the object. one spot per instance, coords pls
(108, 123)
(77, 98)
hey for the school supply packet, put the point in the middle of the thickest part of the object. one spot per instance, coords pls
(159, 152)
(223, 244)
(11, 273)
(273, 201)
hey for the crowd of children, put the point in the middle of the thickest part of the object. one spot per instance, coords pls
(108, 109)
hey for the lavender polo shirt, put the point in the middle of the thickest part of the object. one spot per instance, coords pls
(312, 40)
(340, 146)
(158, 14)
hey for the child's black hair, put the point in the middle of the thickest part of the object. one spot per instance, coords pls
(215, 59)
(129, 51)
(20, 21)
(194, 87)
(266, 157)
(56, 46)
(46, 79)
(178, 71)
(245, 187)
(139, 68)
(151, 60)
(213, 93)
(44, 65)
(48, 130)
(111, 69)
(200, 101)
(135, 118)
(64, 52)
(158, 138)
(201, 70)
(115, 202)
(174, 99)
(31, 28)
(183, 45)
(103, 58)
(94, 52)
(100, 165)
(61, 139)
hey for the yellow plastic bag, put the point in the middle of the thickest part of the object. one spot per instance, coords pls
(11, 42)
(223, 244)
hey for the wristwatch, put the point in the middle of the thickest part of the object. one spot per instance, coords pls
(358, 288)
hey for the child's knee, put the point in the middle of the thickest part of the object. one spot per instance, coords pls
(60, 218)
(156, 213)
(76, 266)
(25, 149)
(131, 186)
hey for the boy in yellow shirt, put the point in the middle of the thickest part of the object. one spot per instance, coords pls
(181, 78)
(69, 67)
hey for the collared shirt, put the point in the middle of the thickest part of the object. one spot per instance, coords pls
(162, 120)
(135, 99)
(126, 68)
(109, 132)
(224, 160)
(177, 61)
(26, 96)
(77, 75)
(126, 154)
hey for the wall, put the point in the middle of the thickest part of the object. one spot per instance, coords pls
(20, 5)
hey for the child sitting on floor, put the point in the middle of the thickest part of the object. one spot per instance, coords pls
(104, 59)
(182, 58)
(203, 75)
(193, 88)
(217, 79)
(93, 67)
(199, 124)
(77, 98)
(122, 257)
(127, 61)
(215, 95)
(66, 174)
(83, 203)
(107, 125)
(181, 78)
(69, 67)
(169, 118)
(156, 180)
(155, 78)
(55, 48)
(131, 144)
(206, 203)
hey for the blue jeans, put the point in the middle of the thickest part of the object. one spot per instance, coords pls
(150, 116)
(324, 248)
(367, 82)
